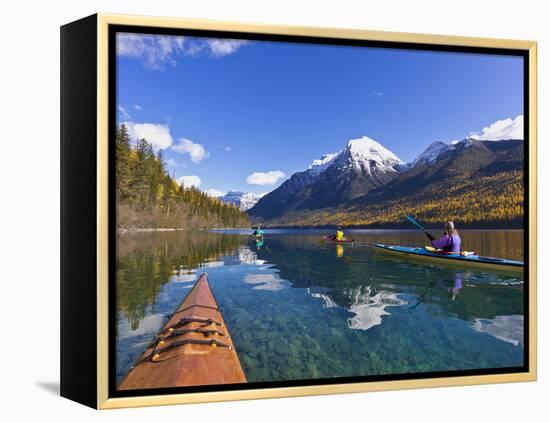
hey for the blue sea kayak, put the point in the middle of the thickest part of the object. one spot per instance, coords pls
(464, 260)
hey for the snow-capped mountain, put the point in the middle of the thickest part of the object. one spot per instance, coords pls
(437, 149)
(320, 165)
(451, 165)
(365, 175)
(243, 200)
(367, 155)
(431, 153)
(363, 165)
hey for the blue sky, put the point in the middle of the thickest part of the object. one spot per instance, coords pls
(225, 112)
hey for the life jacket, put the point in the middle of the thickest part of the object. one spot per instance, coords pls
(339, 235)
(451, 244)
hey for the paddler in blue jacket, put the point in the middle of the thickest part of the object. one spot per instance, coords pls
(258, 231)
(449, 240)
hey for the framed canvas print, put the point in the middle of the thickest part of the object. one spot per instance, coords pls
(254, 211)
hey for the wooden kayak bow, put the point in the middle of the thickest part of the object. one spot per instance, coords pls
(193, 348)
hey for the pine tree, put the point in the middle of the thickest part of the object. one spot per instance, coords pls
(148, 194)
(123, 154)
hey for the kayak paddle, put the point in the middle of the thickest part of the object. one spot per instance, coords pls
(414, 222)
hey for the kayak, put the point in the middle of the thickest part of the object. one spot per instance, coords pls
(331, 238)
(428, 254)
(193, 348)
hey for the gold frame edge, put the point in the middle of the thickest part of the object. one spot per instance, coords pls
(103, 400)
(102, 213)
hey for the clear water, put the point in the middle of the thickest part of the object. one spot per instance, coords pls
(298, 308)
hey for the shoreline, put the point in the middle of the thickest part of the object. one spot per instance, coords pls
(122, 231)
(398, 226)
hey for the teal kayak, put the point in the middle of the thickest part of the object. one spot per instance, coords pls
(464, 260)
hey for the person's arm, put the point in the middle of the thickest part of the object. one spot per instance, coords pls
(441, 242)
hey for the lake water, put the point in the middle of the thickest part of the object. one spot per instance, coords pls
(298, 308)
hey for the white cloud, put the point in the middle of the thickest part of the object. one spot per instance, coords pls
(227, 148)
(210, 264)
(377, 94)
(147, 326)
(222, 47)
(265, 178)
(212, 192)
(504, 129)
(266, 282)
(155, 51)
(124, 115)
(189, 181)
(157, 134)
(158, 51)
(196, 151)
(172, 163)
(183, 277)
(138, 107)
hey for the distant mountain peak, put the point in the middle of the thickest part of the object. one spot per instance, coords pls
(437, 148)
(467, 140)
(243, 200)
(369, 156)
(336, 178)
(367, 148)
(432, 152)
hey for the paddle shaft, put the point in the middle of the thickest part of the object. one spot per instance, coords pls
(414, 222)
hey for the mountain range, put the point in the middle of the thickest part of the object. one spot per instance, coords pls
(471, 181)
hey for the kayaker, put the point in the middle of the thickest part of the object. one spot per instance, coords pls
(449, 240)
(258, 231)
(339, 234)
